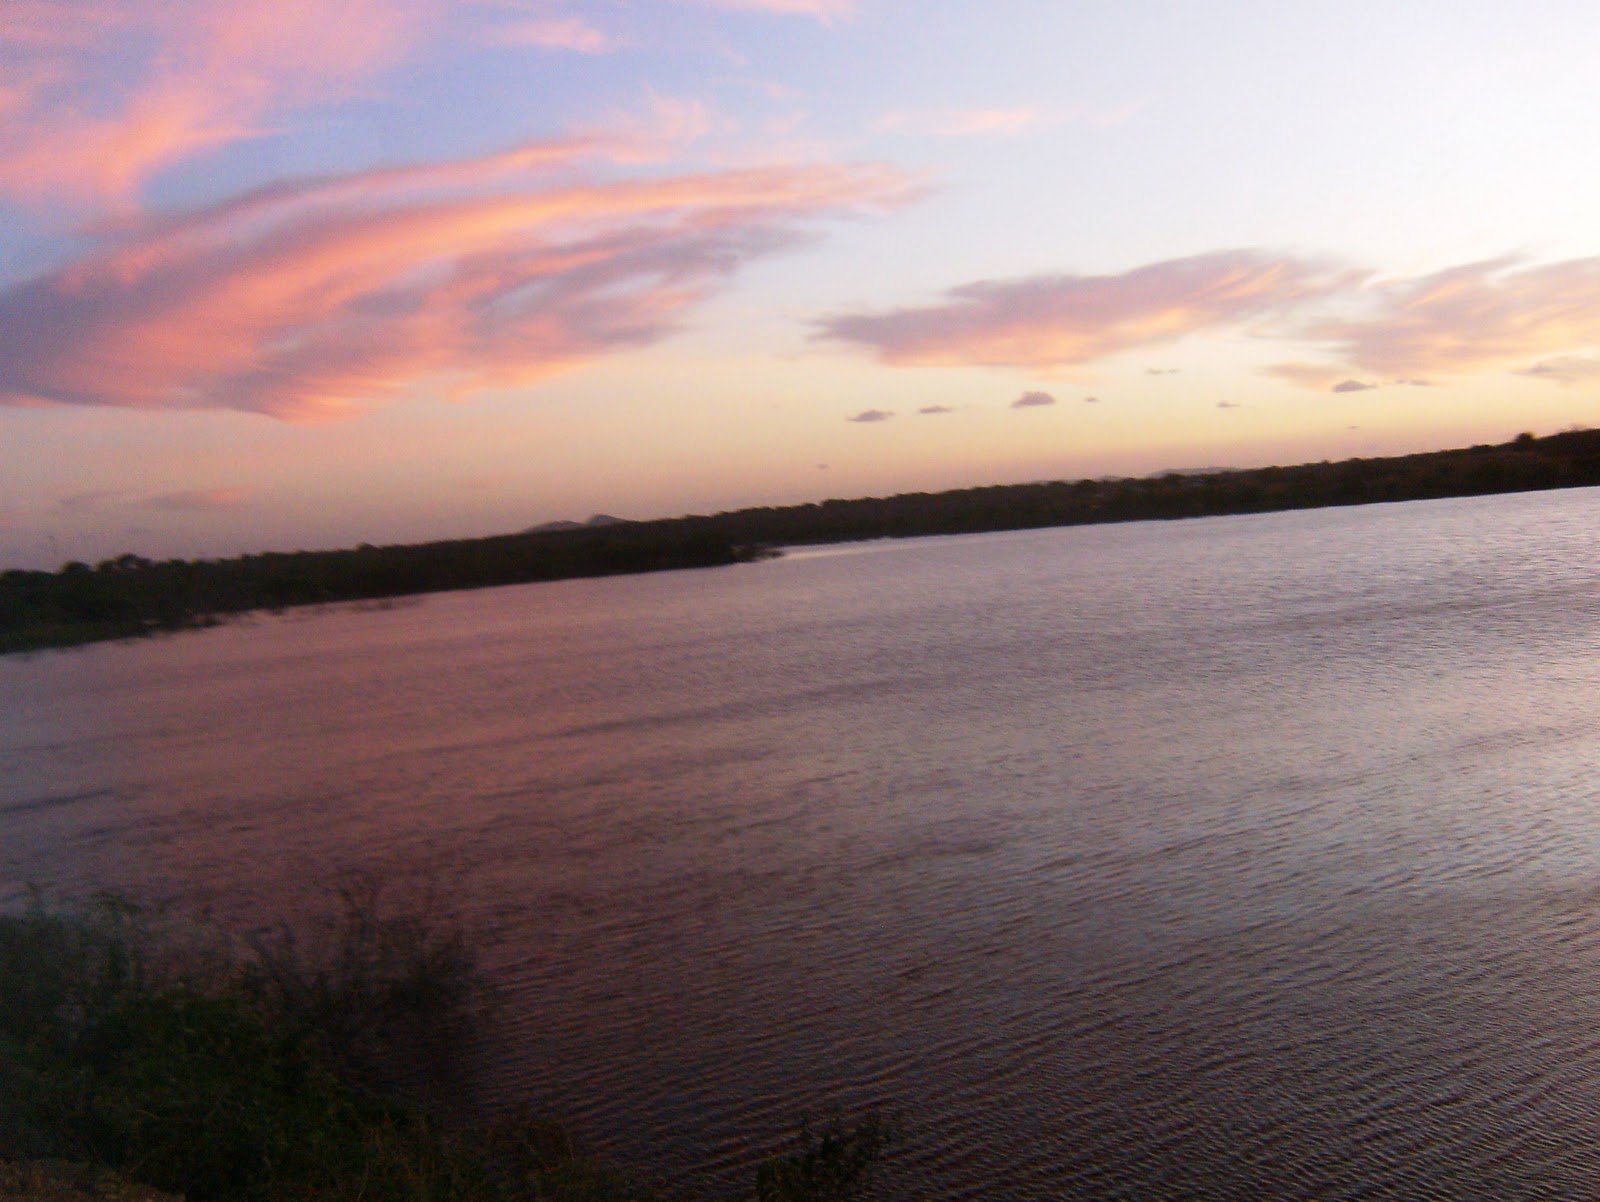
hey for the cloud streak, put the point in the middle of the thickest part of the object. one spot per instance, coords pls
(309, 299)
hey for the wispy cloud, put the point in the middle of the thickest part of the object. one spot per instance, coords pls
(1353, 386)
(935, 409)
(192, 500)
(1055, 321)
(823, 10)
(82, 501)
(871, 415)
(196, 500)
(555, 33)
(1033, 400)
(102, 94)
(964, 123)
(308, 299)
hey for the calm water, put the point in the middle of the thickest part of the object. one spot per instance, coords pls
(1235, 858)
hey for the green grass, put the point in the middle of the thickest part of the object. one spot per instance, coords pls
(307, 1064)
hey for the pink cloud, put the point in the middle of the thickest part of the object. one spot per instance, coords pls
(1494, 314)
(1054, 321)
(97, 102)
(1540, 321)
(308, 300)
(556, 33)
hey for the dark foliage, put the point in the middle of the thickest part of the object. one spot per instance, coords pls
(834, 1166)
(284, 1068)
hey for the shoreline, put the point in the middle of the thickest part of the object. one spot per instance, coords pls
(131, 597)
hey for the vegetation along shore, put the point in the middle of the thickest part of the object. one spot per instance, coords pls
(130, 596)
(143, 1056)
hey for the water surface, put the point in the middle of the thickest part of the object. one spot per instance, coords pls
(1238, 857)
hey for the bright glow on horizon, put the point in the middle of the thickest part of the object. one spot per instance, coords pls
(278, 275)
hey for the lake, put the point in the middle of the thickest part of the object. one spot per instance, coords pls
(1251, 857)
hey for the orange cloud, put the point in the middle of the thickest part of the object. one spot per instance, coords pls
(99, 99)
(307, 300)
(1054, 321)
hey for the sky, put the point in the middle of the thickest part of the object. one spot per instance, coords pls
(284, 274)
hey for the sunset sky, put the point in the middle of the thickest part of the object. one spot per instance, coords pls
(304, 273)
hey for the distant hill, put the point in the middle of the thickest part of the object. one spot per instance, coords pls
(599, 519)
(1190, 471)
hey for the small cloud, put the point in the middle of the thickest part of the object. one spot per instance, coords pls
(1033, 400)
(1091, 400)
(555, 33)
(1306, 375)
(80, 501)
(822, 467)
(196, 500)
(1415, 383)
(1352, 386)
(1161, 371)
(1228, 405)
(1564, 369)
(871, 415)
(936, 409)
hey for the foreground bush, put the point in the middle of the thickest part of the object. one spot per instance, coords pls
(305, 1066)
